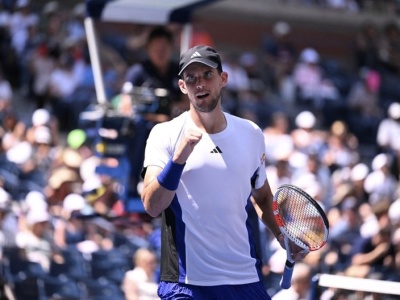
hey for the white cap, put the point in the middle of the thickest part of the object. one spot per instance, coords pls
(20, 153)
(305, 119)
(369, 228)
(394, 212)
(359, 172)
(380, 161)
(298, 160)
(88, 167)
(42, 135)
(37, 216)
(35, 200)
(40, 117)
(74, 202)
(394, 110)
(309, 55)
(92, 183)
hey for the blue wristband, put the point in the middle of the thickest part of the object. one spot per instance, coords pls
(171, 174)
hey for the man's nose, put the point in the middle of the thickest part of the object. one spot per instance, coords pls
(200, 82)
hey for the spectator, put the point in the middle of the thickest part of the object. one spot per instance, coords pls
(341, 147)
(69, 229)
(23, 32)
(14, 130)
(41, 67)
(6, 93)
(306, 137)
(8, 222)
(62, 84)
(358, 174)
(159, 70)
(141, 283)
(389, 48)
(278, 141)
(99, 192)
(366, 46)
(380, 183)
(343, 231)
(21, 19)
(314, 178)
(364, 106)
(279, 55)
(388, 131)
(377, 252)
(35, 238)
(312, 86)
(252, 65)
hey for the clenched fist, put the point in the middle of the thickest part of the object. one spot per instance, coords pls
(185, 148)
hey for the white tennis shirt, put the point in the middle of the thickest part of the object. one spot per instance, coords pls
(207, 239)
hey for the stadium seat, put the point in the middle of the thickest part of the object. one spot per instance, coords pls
(111, 265)
(62, 287)
(102, 289)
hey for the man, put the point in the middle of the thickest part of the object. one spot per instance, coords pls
(202, 174)
(157, 71)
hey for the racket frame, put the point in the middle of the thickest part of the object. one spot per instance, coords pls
(289, 265)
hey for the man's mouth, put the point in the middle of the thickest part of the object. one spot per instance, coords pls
(202, 95)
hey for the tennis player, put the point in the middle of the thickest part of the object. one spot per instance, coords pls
(202, 172)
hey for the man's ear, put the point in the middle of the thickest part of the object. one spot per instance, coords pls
(224, 78)
(182, 86)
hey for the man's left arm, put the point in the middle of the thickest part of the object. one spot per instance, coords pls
(262, 199)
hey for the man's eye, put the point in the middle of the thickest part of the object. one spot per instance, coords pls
(190, 79)
(208, 74)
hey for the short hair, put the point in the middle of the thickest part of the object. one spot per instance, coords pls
(160, 32)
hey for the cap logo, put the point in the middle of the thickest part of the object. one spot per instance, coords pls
(196, 54)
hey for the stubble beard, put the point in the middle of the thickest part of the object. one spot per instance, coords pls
(210, 107)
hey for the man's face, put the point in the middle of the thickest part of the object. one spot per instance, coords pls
(203, 86)
(160, 52)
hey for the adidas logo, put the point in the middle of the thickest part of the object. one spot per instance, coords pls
(216, 150)
(196, 54)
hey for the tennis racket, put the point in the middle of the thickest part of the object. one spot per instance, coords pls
(300, 220)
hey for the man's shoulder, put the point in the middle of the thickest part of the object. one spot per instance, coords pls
(242, 122)
(174, 123)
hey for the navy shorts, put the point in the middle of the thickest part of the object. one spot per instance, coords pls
(181, 291)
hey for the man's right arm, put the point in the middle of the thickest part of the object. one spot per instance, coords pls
(160, 184)
(155, 197)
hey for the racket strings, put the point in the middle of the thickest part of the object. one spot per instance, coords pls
(301, 219)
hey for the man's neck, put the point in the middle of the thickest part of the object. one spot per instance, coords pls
(211, 122)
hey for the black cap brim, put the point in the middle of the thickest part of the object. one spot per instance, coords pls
(202, 60)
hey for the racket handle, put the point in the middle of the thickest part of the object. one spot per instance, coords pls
(287, 275)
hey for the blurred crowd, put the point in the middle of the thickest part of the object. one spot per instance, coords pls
(329, 129)
(391, 7)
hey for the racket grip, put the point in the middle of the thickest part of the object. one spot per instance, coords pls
(287, 275)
